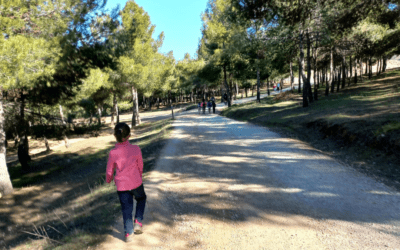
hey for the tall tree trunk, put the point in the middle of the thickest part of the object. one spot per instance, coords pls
(378, 68)
(315, 70)
(301, 75)
(351, 69)
(316, 80)
(237, 88)
(339, 74)
(227, 87)
(334, 80)
(231, 86)
(64, 125)
(291, 75)
(23, 124)
(355, 70)
(99, 115)
(113, 112)
(370, 68)
(62, 114)
(331, 75)
(309, 90)
(133, 90)
(6, 187)
(384, 64)
(299, 86)
(138, 120)
(258, 85)
(343, 72)
(150, 101)
(172, 106)
(321, 77)
(46, 143)
(117, 111)
(325, 76)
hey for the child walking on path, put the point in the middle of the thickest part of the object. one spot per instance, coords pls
(127, 162)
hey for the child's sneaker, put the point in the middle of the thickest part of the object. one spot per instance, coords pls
(138, 229)
(128, 237)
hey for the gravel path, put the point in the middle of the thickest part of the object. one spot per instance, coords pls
(224, 184)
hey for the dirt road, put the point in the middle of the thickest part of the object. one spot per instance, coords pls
(223, 184)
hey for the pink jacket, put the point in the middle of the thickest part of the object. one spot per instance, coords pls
(127, 160)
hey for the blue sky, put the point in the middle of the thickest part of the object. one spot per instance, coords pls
(179, 19)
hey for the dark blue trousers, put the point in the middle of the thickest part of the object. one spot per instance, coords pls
(126, 199)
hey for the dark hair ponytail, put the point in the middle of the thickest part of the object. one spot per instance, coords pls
(121, 131)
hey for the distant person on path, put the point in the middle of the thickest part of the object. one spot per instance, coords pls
(278, 87)
(199, 106)
(127, 163)
(225, 98)
(213, 105)
(209, 105)
(204, 104)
